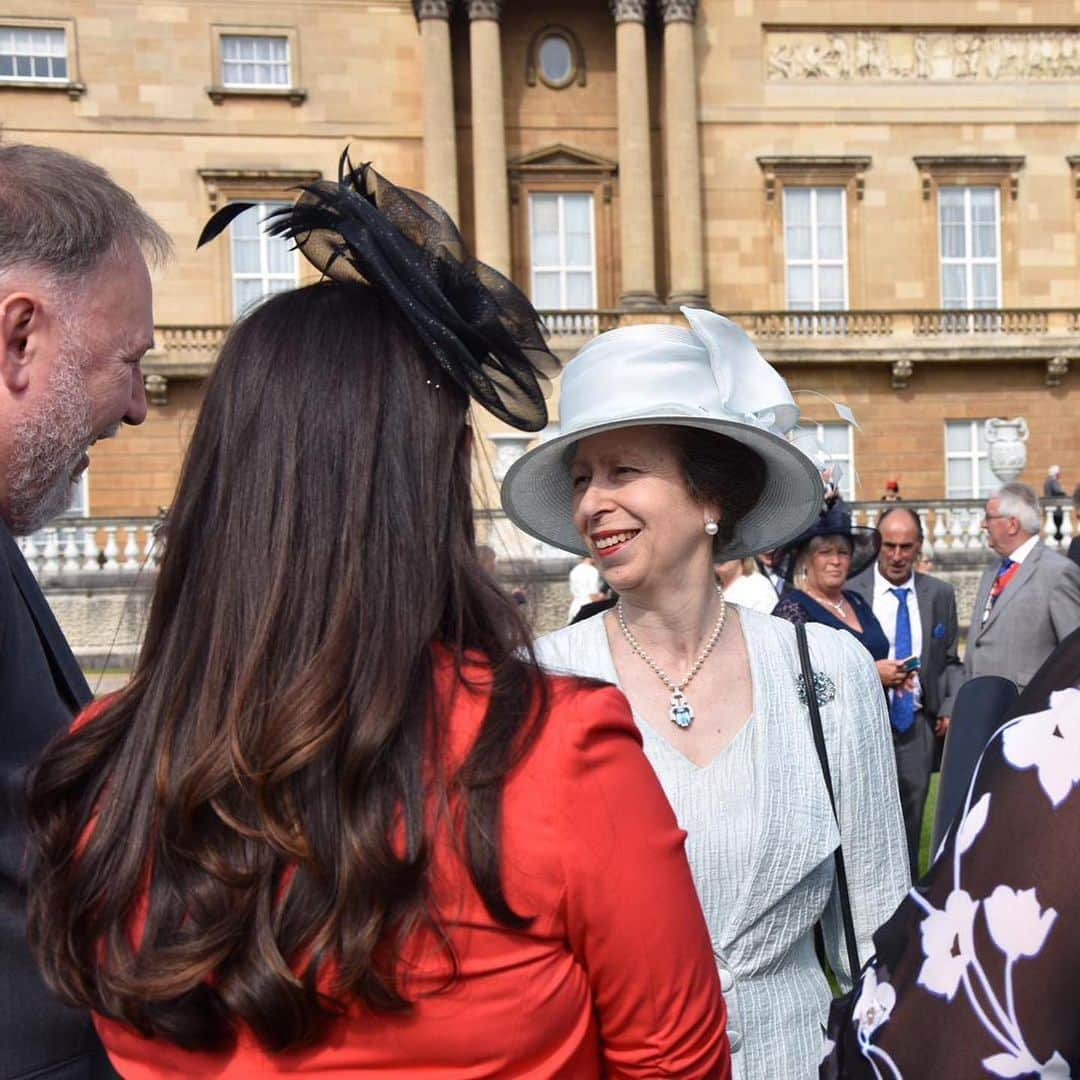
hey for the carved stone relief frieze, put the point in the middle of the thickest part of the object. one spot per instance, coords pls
(918, 55)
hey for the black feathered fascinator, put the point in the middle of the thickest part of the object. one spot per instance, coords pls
(478, 325)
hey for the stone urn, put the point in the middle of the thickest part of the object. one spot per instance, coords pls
(1006, 442)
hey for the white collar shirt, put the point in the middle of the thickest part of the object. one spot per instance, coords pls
(1017, 557)
(1024, 550)
(886, 608)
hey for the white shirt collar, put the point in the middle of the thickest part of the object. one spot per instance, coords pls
(1024, 550)
(882, 584)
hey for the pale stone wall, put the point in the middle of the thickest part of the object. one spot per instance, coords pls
(903, 432)
(104, 625)
(146, 116)
(136, 472)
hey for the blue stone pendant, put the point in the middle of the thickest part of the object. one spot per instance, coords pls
(682, 716)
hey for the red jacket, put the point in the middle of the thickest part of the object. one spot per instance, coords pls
(614, 978)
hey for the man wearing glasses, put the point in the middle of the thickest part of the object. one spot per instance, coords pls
(1028, 599)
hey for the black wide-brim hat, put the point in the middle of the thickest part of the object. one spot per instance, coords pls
(833, 521)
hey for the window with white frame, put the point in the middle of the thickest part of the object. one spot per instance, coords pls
(563, 250)
(32, 53)
(261, 264)
(967, 462)
(836, 439)
(255, 61)
(970, 247)
(815, 248)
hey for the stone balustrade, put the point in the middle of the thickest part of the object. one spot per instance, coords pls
(1051, 335)
(88, 549)
(184, 351)
(891, 323)
(953, 527)
(903, 339)
(910, 323)
(96, 572)
(84, 551)
(578, 323)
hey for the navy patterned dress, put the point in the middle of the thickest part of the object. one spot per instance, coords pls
(799, 607)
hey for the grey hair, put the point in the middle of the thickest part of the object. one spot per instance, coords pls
(1019, 501)
(62, 215)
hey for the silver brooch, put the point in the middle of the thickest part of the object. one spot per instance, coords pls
(824, 688)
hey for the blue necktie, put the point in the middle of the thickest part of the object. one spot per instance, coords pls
(902, 709)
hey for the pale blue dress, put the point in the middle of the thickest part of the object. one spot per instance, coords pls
(761, 833)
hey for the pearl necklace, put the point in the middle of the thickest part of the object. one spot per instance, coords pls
(681, 714)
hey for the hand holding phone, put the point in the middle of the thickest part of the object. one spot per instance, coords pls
(912, 663)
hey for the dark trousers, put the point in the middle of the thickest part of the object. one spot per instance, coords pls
(914, 763)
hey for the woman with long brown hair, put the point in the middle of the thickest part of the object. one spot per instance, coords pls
(338, 822)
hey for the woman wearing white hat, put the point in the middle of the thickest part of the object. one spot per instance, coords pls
(671, 456)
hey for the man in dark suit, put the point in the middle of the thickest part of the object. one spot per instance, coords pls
(918, 614)
(75, 320)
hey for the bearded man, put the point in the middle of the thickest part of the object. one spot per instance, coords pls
(75, 320)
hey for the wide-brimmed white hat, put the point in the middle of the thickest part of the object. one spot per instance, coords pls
(711, 377)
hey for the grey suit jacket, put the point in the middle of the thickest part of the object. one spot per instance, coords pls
(1038, 609)
(941, 672)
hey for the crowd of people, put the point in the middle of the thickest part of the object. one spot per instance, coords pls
(348, 817)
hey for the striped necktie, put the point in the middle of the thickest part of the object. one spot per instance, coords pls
(1004, 575)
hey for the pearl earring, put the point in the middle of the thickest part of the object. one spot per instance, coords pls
(711, 527)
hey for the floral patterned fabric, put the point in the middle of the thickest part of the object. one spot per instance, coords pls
(978, 972)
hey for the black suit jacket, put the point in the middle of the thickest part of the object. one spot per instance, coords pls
(941, 672)
(41, 687)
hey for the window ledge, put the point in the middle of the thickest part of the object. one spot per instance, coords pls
(970, 168)
(295, 95)
(821, 169)
(74, 90)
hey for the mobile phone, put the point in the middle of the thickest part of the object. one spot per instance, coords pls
(912, 663)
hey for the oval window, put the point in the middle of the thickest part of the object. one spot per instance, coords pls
(556, 60)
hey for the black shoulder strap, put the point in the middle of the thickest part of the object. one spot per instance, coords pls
(823, 760)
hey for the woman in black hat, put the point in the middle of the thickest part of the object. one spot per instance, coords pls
(817, 565)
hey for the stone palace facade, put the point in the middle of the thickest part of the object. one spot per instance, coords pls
(886, 195)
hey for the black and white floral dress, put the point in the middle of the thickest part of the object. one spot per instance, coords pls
(978, 972)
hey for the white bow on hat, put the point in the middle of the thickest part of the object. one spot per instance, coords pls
(710, 376)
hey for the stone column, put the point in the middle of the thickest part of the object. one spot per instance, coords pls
(682, 152)
(490, 188)
(440, 146)
(635, 169)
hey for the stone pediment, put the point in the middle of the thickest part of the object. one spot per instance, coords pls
(561, 159)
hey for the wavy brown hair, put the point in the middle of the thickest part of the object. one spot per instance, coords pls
(265, 782)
